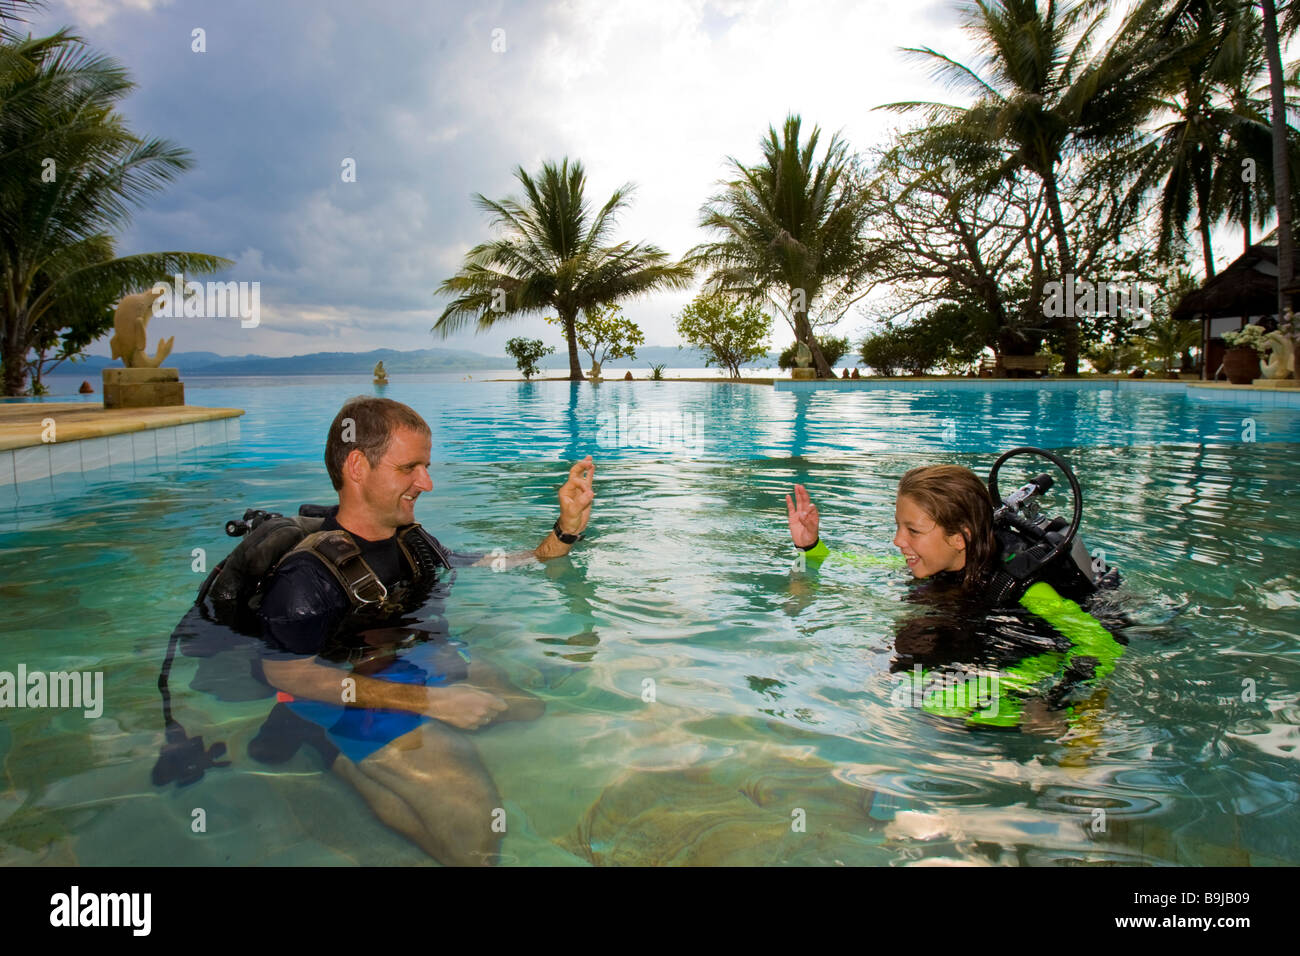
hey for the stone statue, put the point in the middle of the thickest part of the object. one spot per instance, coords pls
(381, 377)
(1281, 362)
(595, 371)
(803, 356)
(129, 324)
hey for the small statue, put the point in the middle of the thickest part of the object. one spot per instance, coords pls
(855, 374)
(1281, 361)
(628, 376)
(130, 321)
(803, 356)
(381, 377)
(86, 389)
(595, 371)
(846, 374)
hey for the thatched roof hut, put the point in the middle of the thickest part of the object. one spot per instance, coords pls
(1246, 288)
(1243, 292)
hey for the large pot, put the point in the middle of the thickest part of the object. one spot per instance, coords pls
(1241, 366)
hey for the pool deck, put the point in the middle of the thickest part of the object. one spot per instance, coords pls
(23, 424)
(50, 449)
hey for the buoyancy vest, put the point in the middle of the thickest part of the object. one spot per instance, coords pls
(223, 625)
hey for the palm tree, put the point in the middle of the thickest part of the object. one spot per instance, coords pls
(1274, 29)
(553, 256)
(69, 172)
(1197, 157)
(1048, 99)
(790, 226)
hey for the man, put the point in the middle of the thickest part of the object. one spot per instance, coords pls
(401, 734)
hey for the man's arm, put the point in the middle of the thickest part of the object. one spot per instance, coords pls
(458, 705)
(576, 496)
(300, 608)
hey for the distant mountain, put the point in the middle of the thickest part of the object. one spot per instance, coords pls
(646, 356)
(395, 362)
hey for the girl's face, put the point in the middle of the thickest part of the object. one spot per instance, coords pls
(927, 549)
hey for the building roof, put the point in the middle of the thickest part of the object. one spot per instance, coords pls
(1247, 287)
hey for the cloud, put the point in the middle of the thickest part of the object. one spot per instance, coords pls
(659, 94)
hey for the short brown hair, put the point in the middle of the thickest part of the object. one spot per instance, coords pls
(959, 502)
(373, 421)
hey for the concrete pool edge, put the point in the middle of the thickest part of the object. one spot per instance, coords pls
(1261, 396)
(40, 441)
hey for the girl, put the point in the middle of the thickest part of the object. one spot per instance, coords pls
(944, 518)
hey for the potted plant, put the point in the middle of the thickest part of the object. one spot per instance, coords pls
(1241, 361)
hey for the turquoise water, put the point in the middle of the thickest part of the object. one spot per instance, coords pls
(771, 700)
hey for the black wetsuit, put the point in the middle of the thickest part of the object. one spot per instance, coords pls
(304, 611)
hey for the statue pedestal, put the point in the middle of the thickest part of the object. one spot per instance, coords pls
(142, 387)
(1278, 382)
(803, 373)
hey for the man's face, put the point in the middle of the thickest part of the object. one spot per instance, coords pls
(390, 487)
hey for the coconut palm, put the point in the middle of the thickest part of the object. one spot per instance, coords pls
(1048, 98)
(553, 257)
(792, 231)
(1275, 28)
(1215, 125)
(69, 172)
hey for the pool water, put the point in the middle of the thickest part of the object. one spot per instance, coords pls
(706, 702)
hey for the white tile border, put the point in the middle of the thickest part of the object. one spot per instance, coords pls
(30, 471)
(1259, 398)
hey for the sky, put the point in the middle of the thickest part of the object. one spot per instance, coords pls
(437, 101)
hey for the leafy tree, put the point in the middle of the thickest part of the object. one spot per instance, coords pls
(526, 353)
(833, 349)
(1216, 127)
(792, 232)
(1048, 98)
(884, 352)
(730, 333)
(554, 256)
(605, 332)
(69, 172)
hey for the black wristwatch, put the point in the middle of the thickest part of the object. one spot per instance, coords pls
(565, 538)
(816, 541)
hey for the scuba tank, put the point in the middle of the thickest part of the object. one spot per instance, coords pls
(1036, 547)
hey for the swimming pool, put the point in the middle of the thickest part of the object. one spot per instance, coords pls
(770, 696)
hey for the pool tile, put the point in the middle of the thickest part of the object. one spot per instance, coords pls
(121, 457)
(94, 454)
(32, 463)
(144, 448)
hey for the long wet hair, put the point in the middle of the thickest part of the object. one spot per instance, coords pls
(959, 502)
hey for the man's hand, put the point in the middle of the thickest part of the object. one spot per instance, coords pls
(576, 496)
(465, 707)
(803, 517)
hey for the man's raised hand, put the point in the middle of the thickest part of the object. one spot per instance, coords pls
(576, 496)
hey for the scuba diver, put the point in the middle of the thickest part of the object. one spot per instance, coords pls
(979, 559)
(319, 610)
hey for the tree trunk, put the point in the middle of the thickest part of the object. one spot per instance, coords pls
(15, 355)
(1281, 166)
(1071, 322)
(1206, 251)
(570, 317)
(804, 334)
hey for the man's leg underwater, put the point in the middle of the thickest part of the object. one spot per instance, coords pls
(431, 786)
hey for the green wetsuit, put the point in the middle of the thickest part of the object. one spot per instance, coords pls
(996, 699)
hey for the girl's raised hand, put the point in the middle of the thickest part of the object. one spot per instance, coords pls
(803, 517)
